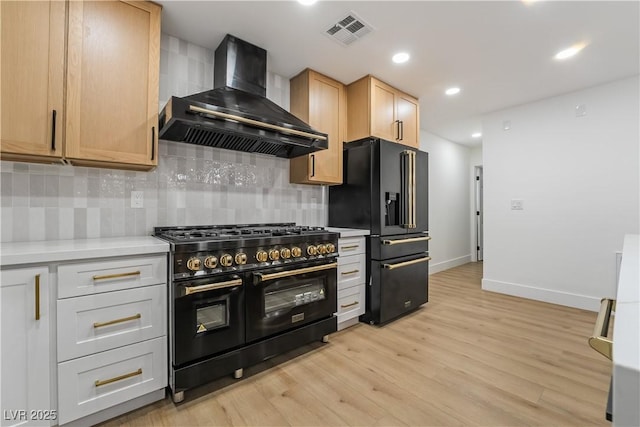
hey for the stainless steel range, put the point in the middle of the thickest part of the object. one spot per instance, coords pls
(241, 294)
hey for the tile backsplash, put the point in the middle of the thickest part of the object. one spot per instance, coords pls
(191, 185)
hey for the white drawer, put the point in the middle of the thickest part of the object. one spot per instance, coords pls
(112, 274)
(127, 372)
(351, 271)
(351, 246)
(351, 302)
(94, 323)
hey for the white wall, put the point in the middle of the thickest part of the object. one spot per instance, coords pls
(579, 180)
(448, 202)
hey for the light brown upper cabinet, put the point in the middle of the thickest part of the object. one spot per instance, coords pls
(110, 115)
(321, 102)
(32, 106)
(377, 109)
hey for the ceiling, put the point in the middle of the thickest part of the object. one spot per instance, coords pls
(500, 53)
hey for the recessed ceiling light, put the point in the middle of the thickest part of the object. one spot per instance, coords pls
(400, 57)
(307, 2)
(452, 91)
(476, 135)
(568, 53)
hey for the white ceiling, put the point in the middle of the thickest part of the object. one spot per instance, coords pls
(500, 53)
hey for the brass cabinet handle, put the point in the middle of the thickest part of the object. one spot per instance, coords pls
(406, 263)
(116, 276)
(265, 277)
(37, 297)
(600, 341)
(188, 290)
(349, 305)
(254, 122)
(346, 248)
(113, 322)
(401, 241)
(99, 383)
(349, 272)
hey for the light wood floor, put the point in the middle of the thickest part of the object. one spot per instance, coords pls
(468, 357)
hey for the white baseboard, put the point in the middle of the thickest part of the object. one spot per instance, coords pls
(540, 294)
(445, 265)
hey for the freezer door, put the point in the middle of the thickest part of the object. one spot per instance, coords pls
(397, 287)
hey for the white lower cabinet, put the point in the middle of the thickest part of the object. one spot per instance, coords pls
(351, 280)
(92, 383)
(112, 323)
(25, 320)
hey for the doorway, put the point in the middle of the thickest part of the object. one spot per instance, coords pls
(479, 213)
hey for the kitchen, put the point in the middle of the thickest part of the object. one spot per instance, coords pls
(50, 202)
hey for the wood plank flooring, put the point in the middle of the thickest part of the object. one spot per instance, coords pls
(468, 357)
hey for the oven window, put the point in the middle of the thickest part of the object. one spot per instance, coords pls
(210, 317)
(285, 298)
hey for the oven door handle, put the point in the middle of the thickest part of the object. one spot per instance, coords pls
(405, 264)
(411, 240)
(261, 277)
(188, 290)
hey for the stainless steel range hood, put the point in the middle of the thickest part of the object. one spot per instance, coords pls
(236, 114)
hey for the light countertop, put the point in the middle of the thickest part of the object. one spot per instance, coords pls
(349, 232)
(18, 253)
(626, 338)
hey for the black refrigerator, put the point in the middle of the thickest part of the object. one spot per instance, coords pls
(385, 189)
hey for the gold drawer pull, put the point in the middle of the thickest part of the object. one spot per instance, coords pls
(116, 276)
(346, 248)
(349, 305)
(350, 272)
(113, 322)
(401, 241)
(600, 342)
(37, 297)
(98, 383)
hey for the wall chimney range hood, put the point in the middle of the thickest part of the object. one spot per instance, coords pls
(236, 115)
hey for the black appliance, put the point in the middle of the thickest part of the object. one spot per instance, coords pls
(385, 189)
(236, 115)
(240, 294)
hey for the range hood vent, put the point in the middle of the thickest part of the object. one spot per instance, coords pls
(236, 115)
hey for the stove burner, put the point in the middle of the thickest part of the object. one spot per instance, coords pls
(232, 232)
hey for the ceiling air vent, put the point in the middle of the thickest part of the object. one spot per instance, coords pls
(349, 29)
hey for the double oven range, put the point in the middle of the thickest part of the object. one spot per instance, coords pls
(240, 294)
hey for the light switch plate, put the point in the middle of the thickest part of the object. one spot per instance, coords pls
(517, 204)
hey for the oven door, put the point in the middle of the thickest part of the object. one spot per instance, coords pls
(284, 298)
(208, 316)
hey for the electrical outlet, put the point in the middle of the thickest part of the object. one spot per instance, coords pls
(517, 204)
(137, 199)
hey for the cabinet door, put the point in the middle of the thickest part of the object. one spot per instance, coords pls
(25, 317)
(408, 115)
(112, 83)
(383, 123)
(327, 112)
(32, 50)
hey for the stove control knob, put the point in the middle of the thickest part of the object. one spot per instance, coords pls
(241, 258)
(331, 248)
(285, 253)
(211, 262)
(194, 264)
(322, 249)
(312, 250)
(274, 255)
(262, 256)
(296, 251)
(226, 260)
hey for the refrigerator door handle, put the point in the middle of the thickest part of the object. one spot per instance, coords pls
(413, 190)
(405, 264)
(407, 192)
